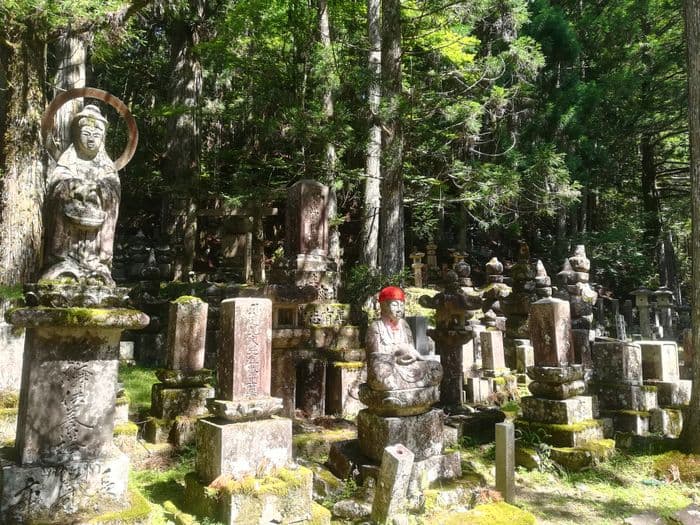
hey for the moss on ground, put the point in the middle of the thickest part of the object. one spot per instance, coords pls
(686, 466)
(137, 384)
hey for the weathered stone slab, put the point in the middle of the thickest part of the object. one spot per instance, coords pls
(126, 351)
(617, 362)
(343, 380)
(182, 378)
(392, 483)
(448, 344)
(53, 493)
(624, 396)
(245, 409)
(419, 328)
(666, 421)
(246, 345)
(550, 332)
(492, 354)
(566, 435)
(524, 355)
(555, 374)
(582, 340)
(557, 391)
(421, 434)
(659, 360)
(168, 403)
(505, 460)
(633, 421)
(434, 468)
(565, 411)
(187, 328)
(241, 449)
(307, 220)
(311, 387)
(11, 350)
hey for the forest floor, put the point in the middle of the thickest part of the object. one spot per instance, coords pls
(627, 484)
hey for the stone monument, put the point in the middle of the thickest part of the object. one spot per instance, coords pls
(65, 467)
(181, 395)
(402, 386)
(243, 447)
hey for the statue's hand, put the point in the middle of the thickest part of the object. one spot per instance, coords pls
(405, 354)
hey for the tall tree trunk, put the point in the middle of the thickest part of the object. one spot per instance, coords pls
(650, 196)
(22, 157)
(392, 221)
(70, 58)
(691, 423)
(331, 160)
(182, 150)
(370, 215)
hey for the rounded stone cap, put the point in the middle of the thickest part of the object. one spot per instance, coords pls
(116, 318)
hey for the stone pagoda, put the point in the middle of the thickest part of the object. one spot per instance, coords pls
(65, 467)
(181, 395)
(556, 411)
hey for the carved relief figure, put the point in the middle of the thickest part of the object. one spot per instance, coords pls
(82, 204)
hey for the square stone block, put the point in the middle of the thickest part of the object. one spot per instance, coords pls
(427, 471)
(492, 353)
(666, 421)
(672, 394)
(558, 411)
(617, 362)
(241, 449)
(422, 434)
(524, 357)
(168, 403)
(343, 382)
(635, 422)
(284, 497)
(30, 494)
(625, 397)
(660, 360)
(477, 390)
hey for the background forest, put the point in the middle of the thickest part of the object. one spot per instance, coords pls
(556, 122)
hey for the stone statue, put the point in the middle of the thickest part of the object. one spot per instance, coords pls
(82, 205)
(400, 381)
(452, 305)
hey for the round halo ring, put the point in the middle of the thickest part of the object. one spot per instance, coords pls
(104, 96)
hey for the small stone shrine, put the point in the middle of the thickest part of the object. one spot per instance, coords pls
(181, 395)
(495, 291)
(557, 411)
(402, 386)
(574, 279)
(244, 468)
(65, 466)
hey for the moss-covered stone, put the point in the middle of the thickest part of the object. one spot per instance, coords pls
(578, 458)
(184, 299)
(126, 429)
(137, 513)
(564, 435)
(319, 515)
(9, 400)
(317, 445)
(79, 317)
(489, 514)
(349, 365)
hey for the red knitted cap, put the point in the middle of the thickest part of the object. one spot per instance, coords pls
(391, 293)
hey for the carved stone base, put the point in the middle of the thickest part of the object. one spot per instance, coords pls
(407, 402)
(245, 409)
(422, 434)
(241, 449)
(61, 494)
(169, 403)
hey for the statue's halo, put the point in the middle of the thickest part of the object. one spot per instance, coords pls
(104, 96)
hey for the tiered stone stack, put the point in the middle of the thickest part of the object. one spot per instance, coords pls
(638, 386)
(574, 279)
(317, 355)
(556, 410)
(660, 370)
(516, 306)
(641, 300)
(180, 398)
(665, 312)
(418, 269)
(243, 446)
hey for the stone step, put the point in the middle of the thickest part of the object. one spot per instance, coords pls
(557, 411)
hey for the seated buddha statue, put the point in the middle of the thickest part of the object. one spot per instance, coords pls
(400, 381)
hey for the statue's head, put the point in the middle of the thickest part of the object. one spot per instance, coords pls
(89, 128)
(391, 303)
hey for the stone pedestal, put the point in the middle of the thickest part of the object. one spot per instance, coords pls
(448, 345)
(66, 462)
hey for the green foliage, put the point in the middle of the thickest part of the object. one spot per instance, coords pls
(362, 282)
(137, 384)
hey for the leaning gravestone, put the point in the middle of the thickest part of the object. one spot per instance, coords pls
(65, 467)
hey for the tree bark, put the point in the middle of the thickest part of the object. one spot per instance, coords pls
(70, 57)
(691, 423)
(182, 151)
(372, 199)
(650, 196)
(392, 220)
(22, 157)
